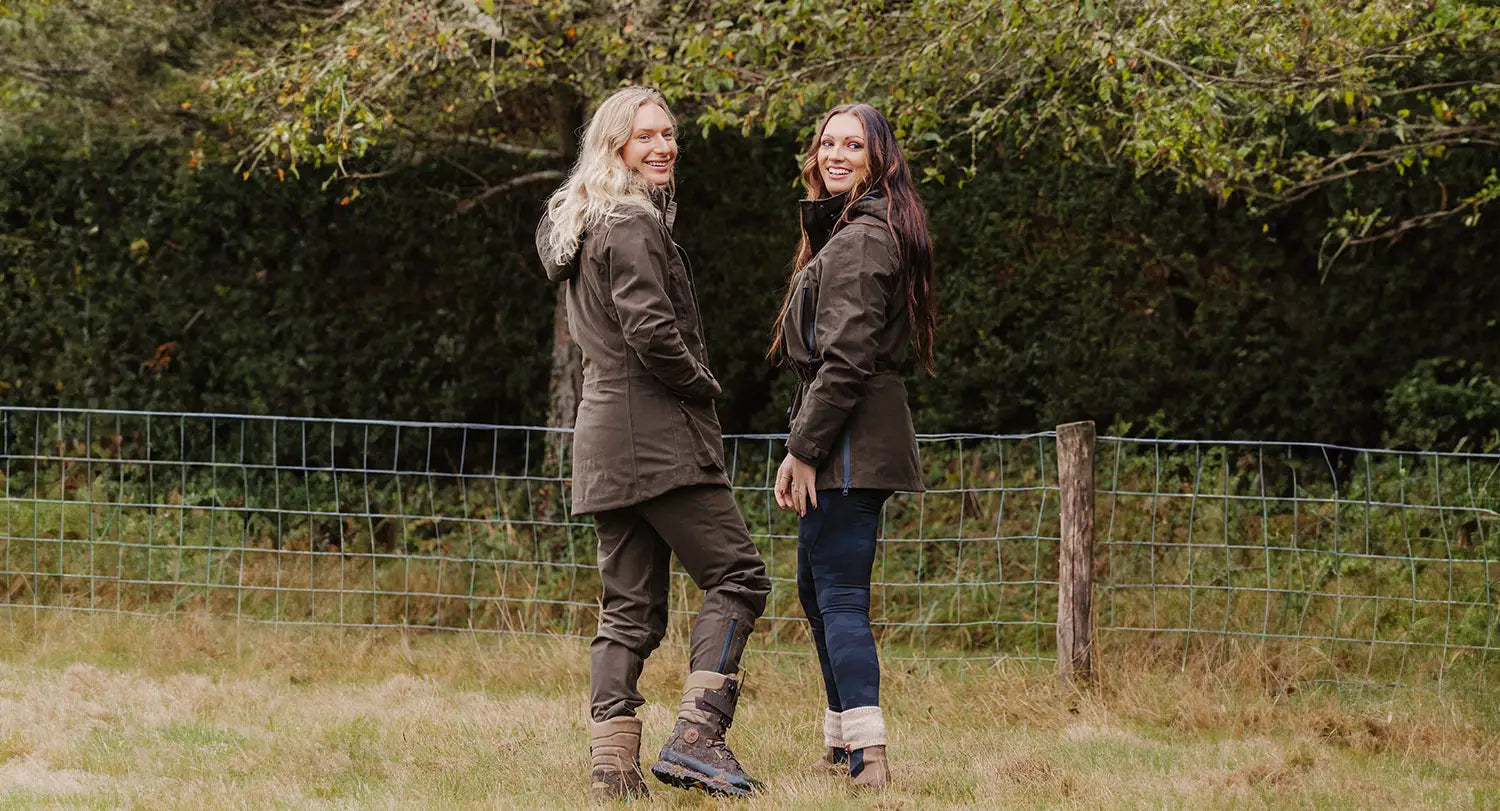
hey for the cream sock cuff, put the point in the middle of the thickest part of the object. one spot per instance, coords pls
(863, 726)
(833, 729)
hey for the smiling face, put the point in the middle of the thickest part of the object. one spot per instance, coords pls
(843, 160)
(651, 148)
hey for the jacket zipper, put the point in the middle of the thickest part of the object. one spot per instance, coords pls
(687, 267)
(811, 352)
(728, 639)
(846, 461)
(811, 325)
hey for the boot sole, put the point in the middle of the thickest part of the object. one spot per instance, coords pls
(683, 777)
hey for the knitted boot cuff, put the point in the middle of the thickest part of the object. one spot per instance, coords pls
(833, 729)
(863, 726)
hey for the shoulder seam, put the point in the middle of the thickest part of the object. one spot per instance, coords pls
(633, 215)
(881, 234)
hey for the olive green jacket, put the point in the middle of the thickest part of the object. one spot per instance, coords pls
(646, 421)
(845, 334)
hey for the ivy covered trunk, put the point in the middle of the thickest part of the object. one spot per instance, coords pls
(567, 369)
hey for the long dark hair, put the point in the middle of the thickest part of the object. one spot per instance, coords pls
(906, 219)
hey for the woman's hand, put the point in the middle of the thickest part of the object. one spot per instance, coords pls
(796, 485)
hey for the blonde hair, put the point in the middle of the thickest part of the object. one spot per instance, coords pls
(601, 189)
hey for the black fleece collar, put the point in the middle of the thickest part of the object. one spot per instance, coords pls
(820, 218)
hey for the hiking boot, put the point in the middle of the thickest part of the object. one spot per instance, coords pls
(835, 759)
(696, 757)
(864, 734)
(615, 759)
(868, 768)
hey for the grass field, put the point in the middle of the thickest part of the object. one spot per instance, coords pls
(111, 711)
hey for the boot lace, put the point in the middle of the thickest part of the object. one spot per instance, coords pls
(724, 753)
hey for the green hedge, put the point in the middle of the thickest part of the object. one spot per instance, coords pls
(134, 282)
(1068, 292)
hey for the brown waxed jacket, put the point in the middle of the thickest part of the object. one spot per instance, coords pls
(646, 421)
(845, 334)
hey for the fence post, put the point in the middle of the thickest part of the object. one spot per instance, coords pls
(1075, 561)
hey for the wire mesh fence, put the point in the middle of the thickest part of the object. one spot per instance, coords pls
(1337, 563)
(966, 570)
(449, 526)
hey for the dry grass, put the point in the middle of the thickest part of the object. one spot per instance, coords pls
(116, 711)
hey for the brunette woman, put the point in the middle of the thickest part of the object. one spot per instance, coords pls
(861, 292)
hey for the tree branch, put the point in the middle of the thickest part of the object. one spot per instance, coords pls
(533, 152)
(465, 206)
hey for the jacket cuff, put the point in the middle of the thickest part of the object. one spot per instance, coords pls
(816, 429)
(804, 449)
(705, 387)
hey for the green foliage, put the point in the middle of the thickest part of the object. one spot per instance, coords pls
(1266, 101)
(1084, 271)
(737, 220)
(80, 72)
(134, 281)
(1263, 101)
(1444, 403)
(1072, 292)
(1068, 292)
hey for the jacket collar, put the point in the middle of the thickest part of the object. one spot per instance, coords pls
(820, 218)
(661, 197)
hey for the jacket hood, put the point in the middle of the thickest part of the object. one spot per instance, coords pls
(820, 218)
(667, 211)
(555, 272)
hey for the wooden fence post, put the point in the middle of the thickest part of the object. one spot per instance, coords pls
(1075, 564)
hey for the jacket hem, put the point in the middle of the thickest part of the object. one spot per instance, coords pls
(587, 506)
(857, 484)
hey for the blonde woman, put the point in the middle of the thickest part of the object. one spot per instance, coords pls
(648, 454)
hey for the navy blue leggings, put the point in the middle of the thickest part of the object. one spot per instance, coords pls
(835, 553)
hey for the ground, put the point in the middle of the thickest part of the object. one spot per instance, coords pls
(188, 712)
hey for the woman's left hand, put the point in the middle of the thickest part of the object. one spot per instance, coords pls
(796, 485)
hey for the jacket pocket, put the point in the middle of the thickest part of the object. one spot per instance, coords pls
(685, 306)
(604, 460)
(708, 445)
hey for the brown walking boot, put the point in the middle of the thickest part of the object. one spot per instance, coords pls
(615, 759)
(868, 768)
(835, 759)
(696, 757)
(864, 734)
